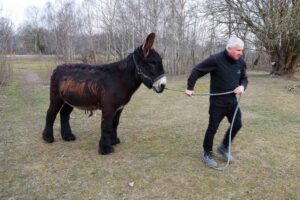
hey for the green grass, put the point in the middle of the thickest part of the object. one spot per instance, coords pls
(161, 138)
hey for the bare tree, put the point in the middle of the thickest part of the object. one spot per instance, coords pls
(275, 24)
(33, 28)
(105, 15)
(87, 42)
(61, 21)
(111, 29)
(6, 34)
(180, 34)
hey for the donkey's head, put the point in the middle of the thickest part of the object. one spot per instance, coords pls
(149, 65)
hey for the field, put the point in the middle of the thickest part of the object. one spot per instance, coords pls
(161, 145)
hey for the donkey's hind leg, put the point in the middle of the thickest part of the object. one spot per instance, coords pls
(55, 106)
(66, 132)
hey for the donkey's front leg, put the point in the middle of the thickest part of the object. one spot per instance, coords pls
(114, 137)
(105, 146)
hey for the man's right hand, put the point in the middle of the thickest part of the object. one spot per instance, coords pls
(189, 92)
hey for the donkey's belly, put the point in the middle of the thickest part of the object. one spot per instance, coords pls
(83, 107)
(88, 102)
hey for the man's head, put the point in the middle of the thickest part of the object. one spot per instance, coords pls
(235, 47)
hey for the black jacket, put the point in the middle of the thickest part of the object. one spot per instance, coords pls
(225, 75)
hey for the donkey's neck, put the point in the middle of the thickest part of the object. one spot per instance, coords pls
(131, 80)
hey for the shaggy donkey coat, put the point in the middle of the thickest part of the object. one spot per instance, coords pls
(106, 87)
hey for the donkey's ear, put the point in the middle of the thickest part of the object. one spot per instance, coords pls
(148, 44)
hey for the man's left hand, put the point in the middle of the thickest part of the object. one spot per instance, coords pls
(239, 90)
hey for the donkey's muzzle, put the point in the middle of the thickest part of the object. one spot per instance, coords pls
(160, 84)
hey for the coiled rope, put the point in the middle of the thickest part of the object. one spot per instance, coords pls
(225, 165)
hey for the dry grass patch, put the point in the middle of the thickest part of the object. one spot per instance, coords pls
(159, 155)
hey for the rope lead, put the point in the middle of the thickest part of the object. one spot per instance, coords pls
(219, 168)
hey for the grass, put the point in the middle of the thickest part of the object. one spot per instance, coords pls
(159, 155)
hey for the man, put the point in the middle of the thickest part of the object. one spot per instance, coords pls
(227, 73)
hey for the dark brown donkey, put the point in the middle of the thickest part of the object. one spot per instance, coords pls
(106, 87)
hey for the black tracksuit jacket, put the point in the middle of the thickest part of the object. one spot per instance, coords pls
(225, 75)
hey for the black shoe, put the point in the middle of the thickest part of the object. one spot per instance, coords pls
(208, 159)
(223, 151)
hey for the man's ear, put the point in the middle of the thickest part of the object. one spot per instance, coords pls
(148, 44)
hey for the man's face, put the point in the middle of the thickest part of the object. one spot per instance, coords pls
(235, 52)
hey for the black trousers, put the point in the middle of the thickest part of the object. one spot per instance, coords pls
(216, 115)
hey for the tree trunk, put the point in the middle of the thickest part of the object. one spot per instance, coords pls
(284, 64)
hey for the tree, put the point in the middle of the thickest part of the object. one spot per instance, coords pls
(105, 16)
(33, 30)
(275, 24)
(61, 21)
(31, 39)
(6, 34)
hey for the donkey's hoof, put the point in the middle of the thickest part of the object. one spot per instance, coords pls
(69, 137)
(48, 139)
(105, 150)
(116, 141)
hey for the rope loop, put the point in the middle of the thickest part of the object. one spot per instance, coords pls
(224, 166)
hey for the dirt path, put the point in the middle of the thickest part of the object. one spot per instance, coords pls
(31, 78)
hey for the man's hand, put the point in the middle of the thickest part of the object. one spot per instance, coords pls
(239, 90)
(189, 92)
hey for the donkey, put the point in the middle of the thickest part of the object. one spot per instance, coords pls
(107, 87)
